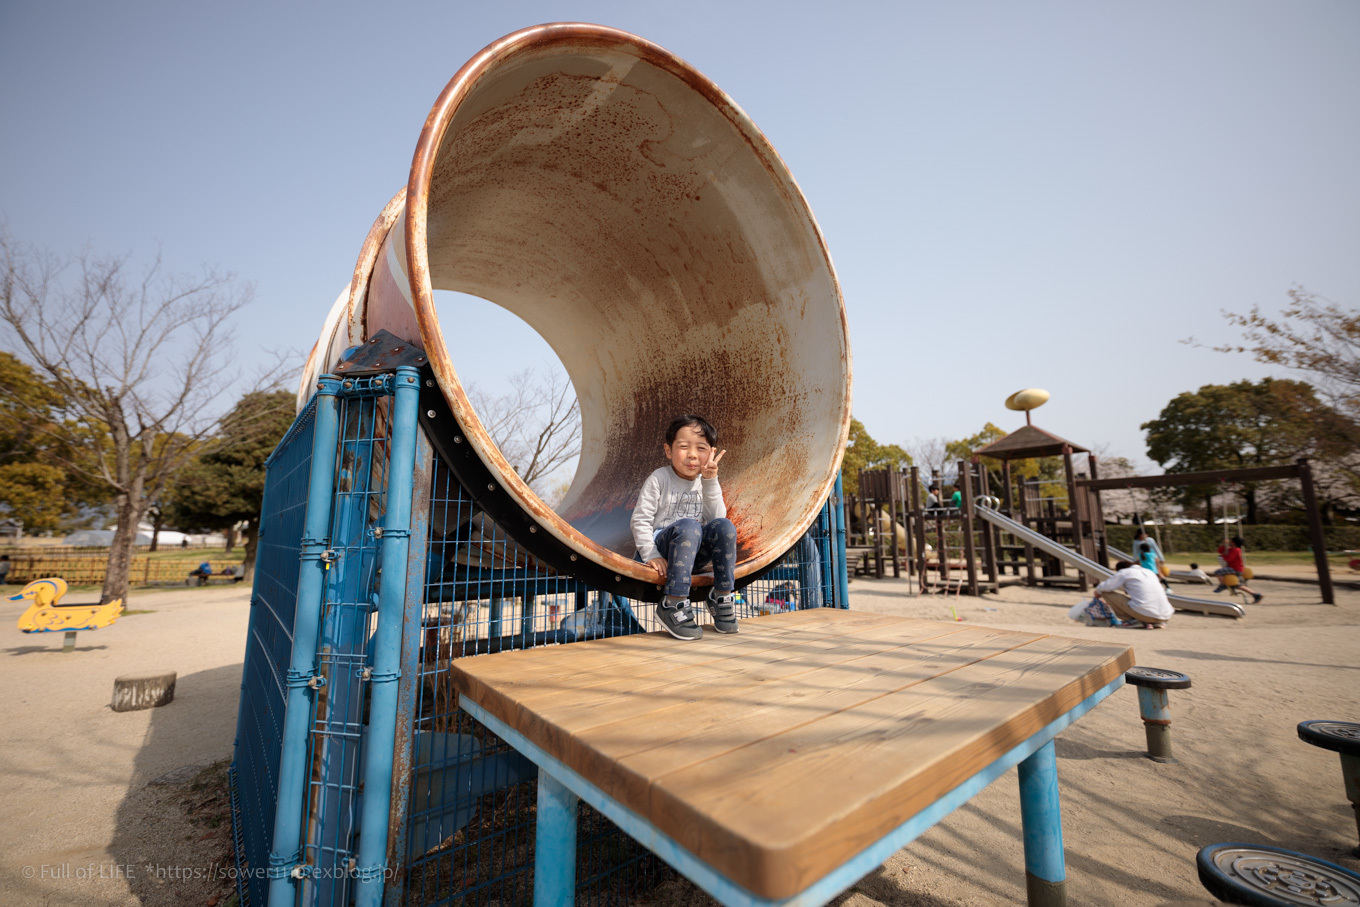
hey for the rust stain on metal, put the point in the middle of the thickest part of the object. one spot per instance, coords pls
(620, 203)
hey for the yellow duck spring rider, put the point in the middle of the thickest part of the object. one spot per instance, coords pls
(45, 614)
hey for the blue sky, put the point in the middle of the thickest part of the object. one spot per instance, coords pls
(1015, 195)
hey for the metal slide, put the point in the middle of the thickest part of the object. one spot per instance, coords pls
(1091, 568)
(1184, 576)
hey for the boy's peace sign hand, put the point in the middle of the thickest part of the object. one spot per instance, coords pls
(710, 470)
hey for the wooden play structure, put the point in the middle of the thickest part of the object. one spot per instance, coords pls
(896, 527)
(1021, 536)
(1016, 533)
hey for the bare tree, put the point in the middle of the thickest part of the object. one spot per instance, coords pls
(931, 454)
(536, 424)
(140, 361)
(1319, 339)
(1118, 503)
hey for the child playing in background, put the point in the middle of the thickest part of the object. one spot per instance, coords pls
(1148, 554)
(1231, 556)
(680, 520)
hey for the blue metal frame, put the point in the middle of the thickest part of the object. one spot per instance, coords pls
(1040, 817)
(285, 857)
(838, 520)
(386, 662)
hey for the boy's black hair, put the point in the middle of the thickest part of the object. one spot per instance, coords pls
(710, 433)
(1238, 541)
(1122, 565)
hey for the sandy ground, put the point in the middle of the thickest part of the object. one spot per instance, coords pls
(82, 821)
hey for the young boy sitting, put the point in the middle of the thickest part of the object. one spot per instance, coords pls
(680, 520)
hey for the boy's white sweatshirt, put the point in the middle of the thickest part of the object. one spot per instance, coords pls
(666, 498)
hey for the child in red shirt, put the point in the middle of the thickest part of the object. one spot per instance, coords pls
(1231, 556)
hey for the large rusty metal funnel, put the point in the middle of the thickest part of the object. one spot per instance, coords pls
(624, 207)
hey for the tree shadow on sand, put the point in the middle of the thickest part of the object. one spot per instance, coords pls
(173, 828)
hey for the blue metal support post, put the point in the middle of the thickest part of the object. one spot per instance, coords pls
(409, 685)
(285, 856)
(1041, 818)
(386, 665)
(842, 569)
(555, 844)
(1155, 709)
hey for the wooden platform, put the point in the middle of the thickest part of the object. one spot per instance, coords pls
(778, 754)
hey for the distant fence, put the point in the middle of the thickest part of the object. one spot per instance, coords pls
(88, 569)
(57, 546)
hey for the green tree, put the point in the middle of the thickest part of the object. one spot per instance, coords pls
(37, 443)
(863, 452)
(963, 450)
(225, 485)
(35, 493)
(28, 406)
(1234, 426)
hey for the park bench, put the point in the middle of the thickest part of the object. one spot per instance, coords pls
(228, 574)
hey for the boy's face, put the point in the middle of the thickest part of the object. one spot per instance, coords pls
(689, 452)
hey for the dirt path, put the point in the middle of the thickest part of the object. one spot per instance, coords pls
(81, 822)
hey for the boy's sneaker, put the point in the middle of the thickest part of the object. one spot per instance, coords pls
(1257, 599)
(1219, 588)
(723, 610)
(677, 618)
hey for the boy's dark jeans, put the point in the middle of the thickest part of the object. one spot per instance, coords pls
(685, 543)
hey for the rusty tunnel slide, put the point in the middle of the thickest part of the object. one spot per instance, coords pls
(624, 207)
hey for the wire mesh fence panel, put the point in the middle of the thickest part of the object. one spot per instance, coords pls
(269, 641)
(472, 807)
(347, 623)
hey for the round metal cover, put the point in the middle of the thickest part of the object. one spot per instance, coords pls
(1339, 736)
(1159, 678)
(1268, 876)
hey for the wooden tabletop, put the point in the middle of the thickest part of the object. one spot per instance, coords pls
(777, 754)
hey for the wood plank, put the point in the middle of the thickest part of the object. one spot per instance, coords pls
(627, 755)
(501, 682)
(659, 646)
(552, 715)
(907, 748)
(559, 722)
(547, 664)
(577, 709)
